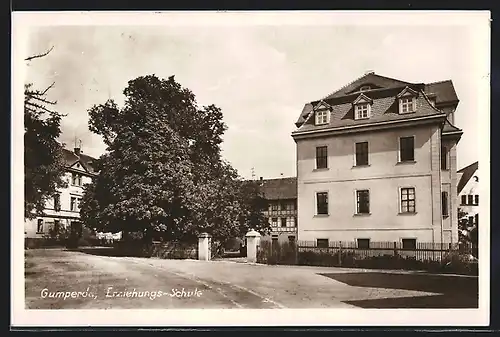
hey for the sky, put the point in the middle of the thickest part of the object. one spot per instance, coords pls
(259, 75)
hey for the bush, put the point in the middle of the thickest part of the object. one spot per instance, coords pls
(279, 253)
(169, 250)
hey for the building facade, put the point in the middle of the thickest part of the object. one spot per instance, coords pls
(376, 161)
(281, 195)
(63, 209)
(468, 193)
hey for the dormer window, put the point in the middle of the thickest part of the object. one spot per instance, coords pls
(322, 117)
(362, 111)
(365, 88)
(407, 101)
(362, 107)
(407, 105)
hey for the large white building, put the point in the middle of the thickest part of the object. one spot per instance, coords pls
(376, 161)
(63, 209)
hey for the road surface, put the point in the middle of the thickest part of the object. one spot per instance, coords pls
(60, 279)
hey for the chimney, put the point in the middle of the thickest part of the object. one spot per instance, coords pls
(368, 72)
(77, 151)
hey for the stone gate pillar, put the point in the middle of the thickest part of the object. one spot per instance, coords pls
(253, 240)
(204, 246)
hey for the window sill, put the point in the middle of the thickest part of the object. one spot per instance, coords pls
(40, 233)
(362, 214)
(321, 169)
(407, 213)
(407, 162)
(321, 215)
(360, 166)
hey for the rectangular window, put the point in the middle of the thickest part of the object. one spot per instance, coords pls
(291, 239)
(274, 207)
(362, 111)
(444, 158)
(471, 221)
(322, 243)
(322, 203)
(274, 222)
(39, 226)
(470, 199)
(464, 200)
(363, 202)
(290, 222)
(408, 200)
(444, 203)
(57, 202)
(361, 153)
(76, 179)
(283, 222)
(406, 149)
(407, 105)
(364, 243)
(322, 117)
(321, 157)
(410, 244)
(74, 204)
(476, 200)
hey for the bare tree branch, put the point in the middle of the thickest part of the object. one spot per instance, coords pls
(48, 88)
(43, 100)
(39, 55)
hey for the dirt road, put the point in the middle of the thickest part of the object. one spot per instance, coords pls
(62, 279)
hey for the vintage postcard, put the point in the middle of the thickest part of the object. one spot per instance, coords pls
(250, 168)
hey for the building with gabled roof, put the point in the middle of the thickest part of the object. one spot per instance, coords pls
(63, 210)
(468, 193)
(376, 161)
(281, 195)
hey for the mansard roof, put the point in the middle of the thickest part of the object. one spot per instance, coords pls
(383, 92)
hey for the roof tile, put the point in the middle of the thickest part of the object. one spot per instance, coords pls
(280, 188)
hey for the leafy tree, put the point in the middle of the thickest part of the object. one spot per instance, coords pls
(467, 232)
(163, 174)
(43, 161)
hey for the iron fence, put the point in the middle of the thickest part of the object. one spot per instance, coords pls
(385, 255)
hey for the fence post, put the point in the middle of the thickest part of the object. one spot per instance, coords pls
(395, 248)
(253, 238)
(204, 247)
(340, 254)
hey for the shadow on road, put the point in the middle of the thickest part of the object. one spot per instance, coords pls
(451, 291)
(101, 251)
